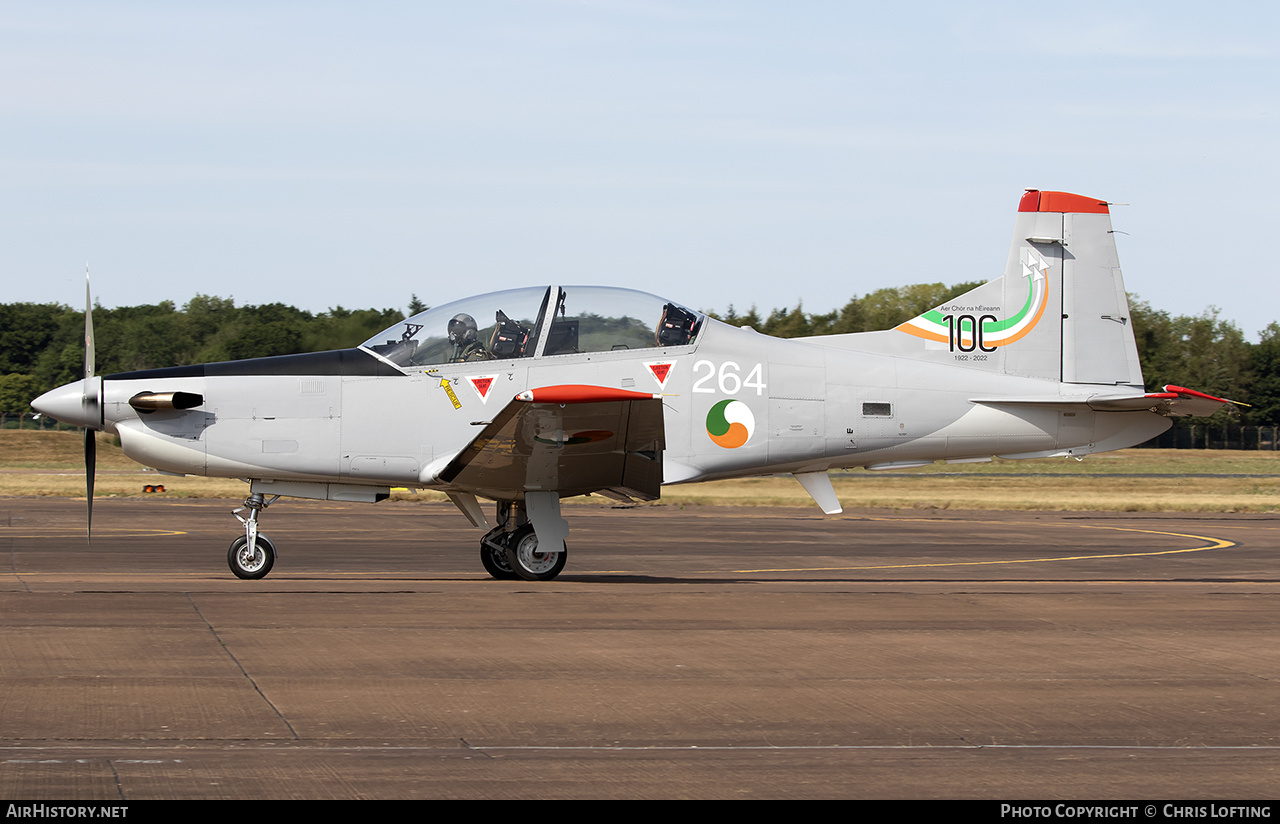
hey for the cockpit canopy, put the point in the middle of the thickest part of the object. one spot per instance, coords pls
(537, 322)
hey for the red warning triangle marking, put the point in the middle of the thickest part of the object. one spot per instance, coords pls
(660, 371)
(482, 385)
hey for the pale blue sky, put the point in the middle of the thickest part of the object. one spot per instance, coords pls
(759, 153)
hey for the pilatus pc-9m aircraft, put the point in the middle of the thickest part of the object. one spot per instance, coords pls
(529, 396)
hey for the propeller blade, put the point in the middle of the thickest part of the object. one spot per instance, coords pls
(90, 403)
(90, 470)
(88, 327)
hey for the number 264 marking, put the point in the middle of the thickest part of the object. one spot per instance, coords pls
(728, 378)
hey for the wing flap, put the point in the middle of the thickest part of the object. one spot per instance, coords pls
(571, 446)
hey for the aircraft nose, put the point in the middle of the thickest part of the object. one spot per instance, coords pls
(67, 404)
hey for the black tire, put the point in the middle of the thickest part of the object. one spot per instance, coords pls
(528, 562)
(495, 561)
(251, 566)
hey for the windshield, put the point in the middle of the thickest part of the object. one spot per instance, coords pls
(497, 326)
(509, 325)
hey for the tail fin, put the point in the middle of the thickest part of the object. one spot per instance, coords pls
(1059, 312)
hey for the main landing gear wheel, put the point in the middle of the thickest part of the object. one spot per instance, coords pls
(527, 561)
(251, 564)
(495, 561)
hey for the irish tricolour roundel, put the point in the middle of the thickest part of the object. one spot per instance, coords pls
(730, 424)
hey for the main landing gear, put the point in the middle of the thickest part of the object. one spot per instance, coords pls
(510, 550)
(513, 550)
(252, 555)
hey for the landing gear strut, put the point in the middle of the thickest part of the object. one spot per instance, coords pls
(493, 547)
(252, 555)
(509, 551)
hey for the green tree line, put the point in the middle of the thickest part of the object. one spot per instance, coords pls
(41, 345)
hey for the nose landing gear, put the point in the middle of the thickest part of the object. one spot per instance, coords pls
(252, 556)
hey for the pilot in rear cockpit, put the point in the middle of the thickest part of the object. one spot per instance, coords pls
(676, 326)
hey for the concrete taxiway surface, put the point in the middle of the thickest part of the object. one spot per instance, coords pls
(703, 653)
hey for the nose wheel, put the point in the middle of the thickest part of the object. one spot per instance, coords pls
(253, 563)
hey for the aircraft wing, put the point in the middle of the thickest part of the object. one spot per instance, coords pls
(1174, 401)
(571, 439)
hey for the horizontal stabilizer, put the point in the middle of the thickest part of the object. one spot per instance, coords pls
(1174, 401)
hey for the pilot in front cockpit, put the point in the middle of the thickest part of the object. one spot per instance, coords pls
(463, 338)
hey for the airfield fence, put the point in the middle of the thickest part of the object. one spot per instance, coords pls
(1195, 436)
(1217, 436)
(34, 422)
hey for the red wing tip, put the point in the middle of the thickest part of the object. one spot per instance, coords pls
(581, 393)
